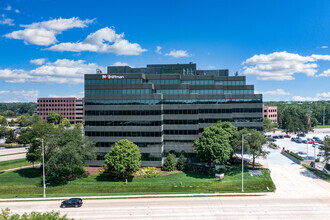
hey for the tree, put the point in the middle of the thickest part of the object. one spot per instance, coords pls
(123, 159)
(11, 136)
(252, 143)
(3, 121)
(33, 154)
(326, 149)
(214, 147)
(268, 125)
(169, 163)
(5, 214)
(66, 122)
(66, 154)
(27, 120)
(12, 123)
(54, 117)
(182, 163)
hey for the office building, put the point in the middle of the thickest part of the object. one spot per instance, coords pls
(164, 108)
(270, 112)
(70, 108)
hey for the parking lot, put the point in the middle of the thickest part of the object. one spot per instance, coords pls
(307, 151)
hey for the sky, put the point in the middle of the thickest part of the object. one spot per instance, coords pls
(282, 47)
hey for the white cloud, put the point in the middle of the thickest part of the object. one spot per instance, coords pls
(158, 49)
(17, 11)
(178, 53)
(325, 73)
(105, 40)
(44, 33)
(120, 64)
(6, 21)
(21, 95)
(38, 61)
(281, 65)
(60, 71)
(275, 92)
(319, 96)
(8, 8)
(324, 47)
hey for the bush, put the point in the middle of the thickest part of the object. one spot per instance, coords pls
(294, 155)
(6, 214)
(317, 160)
(181, 165)
(149, 172)
(170, 163)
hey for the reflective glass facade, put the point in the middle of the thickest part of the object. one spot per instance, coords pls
(164, 108)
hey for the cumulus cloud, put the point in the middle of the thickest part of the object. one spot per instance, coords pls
(324, 47)
(105, 40)
(158, 49)
(120, 64)
(325, 73)
(8, 8)
(6, 21)
(60, 71)
(44, 33)
(178, 53)
(319, 96)
(20, 95)
(38, 61)
(281, 65)
(274, 92)
(17, 11)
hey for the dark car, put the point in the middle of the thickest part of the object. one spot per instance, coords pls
(281, 136)
(302, 135)
(276, 137)
(293, 139)
(298, 140)
(271, 139)
(304, 141)
(73, 202)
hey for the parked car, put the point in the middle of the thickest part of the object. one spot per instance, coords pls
(276, 137)
(271, 139)
(316, 139)
(287, 136)
(281, 136)
(321, 146)
(304, 141)
(298, 140)
(73, 202)
(310, 141)
(293, 139)
(315, 145)
(302, 135)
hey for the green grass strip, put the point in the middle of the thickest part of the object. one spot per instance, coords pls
(3, 155)
(4, 165)
(320, 174)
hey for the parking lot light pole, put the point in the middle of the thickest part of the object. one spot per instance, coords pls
(43, 165)
(307, 150)
(242, 159)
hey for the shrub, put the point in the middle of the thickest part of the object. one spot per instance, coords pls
(169, 163)
(317, 160)
(294, 155)
(181, 165)
(149, 172)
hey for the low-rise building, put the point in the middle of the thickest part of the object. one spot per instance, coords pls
(270, 112)
(70, 108)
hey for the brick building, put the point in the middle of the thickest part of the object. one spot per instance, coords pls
(270, 112)
(70, 108)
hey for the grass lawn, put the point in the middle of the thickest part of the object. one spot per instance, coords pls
(321, 126)
(13, 164)
(27, 183)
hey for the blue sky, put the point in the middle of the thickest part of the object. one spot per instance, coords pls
(281, 46)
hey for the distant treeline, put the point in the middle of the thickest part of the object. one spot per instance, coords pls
(11, 110)
(294, 112)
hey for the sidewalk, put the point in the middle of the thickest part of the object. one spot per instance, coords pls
(17, 168)
(140, 196)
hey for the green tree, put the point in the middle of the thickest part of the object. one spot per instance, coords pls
(66, 122)
(12, 123)
(326, 149)
(33, 154)
(182, 163)
(11, 137)
(6, 214)
(3, 121)
(214, 147)
(169, 163)
(3, 131)
(123, 159)
(66, 154)
(54, 117)
(268, 125)
(252, 143)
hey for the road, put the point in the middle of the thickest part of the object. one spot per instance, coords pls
(15, 151)
(299, 195)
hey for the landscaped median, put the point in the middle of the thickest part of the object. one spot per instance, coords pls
(293, 156)
(318, 173)
(26, 183)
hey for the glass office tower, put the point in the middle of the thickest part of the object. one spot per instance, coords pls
(164, 108)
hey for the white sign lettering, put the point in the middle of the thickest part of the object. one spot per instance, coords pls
(112, 77)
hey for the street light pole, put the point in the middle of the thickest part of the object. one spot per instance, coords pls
(307, 150)
(43, 165)
(243, 160)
